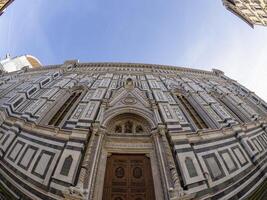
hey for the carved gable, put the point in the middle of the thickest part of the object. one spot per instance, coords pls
(134, 97)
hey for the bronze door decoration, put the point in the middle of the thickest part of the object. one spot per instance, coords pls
(128, 177)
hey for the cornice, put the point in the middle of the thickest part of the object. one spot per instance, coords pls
(147, 67)
(48, 132)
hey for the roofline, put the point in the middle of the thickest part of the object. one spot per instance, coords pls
(152, 67)
(142, 65)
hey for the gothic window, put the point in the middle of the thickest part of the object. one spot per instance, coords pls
(199, 122)
(66, 166)
(64, 109)
(190, 167)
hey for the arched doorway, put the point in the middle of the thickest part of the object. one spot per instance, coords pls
(128, 166)
(128, 177)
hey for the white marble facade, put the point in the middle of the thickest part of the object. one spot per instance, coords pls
(205, 134)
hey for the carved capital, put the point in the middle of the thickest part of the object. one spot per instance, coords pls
(95, 127)
(101, 131)
(162, 130)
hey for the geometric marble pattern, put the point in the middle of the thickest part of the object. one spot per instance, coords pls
(196, 134)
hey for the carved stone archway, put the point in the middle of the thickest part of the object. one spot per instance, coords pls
(153, 143)
(142, 113)
(128, 142)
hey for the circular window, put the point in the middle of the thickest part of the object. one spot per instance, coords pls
(119, 172)
(137, 172)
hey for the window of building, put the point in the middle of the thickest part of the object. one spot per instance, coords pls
(64, 109)
(199, 122)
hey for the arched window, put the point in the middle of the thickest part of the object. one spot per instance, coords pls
(66, 166)
(64, 109)
(199, 122)
(190, 167)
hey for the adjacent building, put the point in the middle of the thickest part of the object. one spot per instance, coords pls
(4, 4)
(122, 131)
(253, 12)
(10, 64)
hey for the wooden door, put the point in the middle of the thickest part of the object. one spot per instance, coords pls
(128, 177)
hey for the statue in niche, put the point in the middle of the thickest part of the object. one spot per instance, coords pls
(139, 129)
(118, 129)
(129, 83)
(128, 127)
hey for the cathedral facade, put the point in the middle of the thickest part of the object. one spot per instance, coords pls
(120, 131)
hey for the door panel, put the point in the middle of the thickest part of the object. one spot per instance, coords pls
(128, 177)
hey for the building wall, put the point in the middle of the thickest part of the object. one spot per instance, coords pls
(252, 12)
(205, 133)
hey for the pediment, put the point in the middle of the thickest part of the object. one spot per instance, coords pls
(134, 97)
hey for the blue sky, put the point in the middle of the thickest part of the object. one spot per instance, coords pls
(192, 33)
